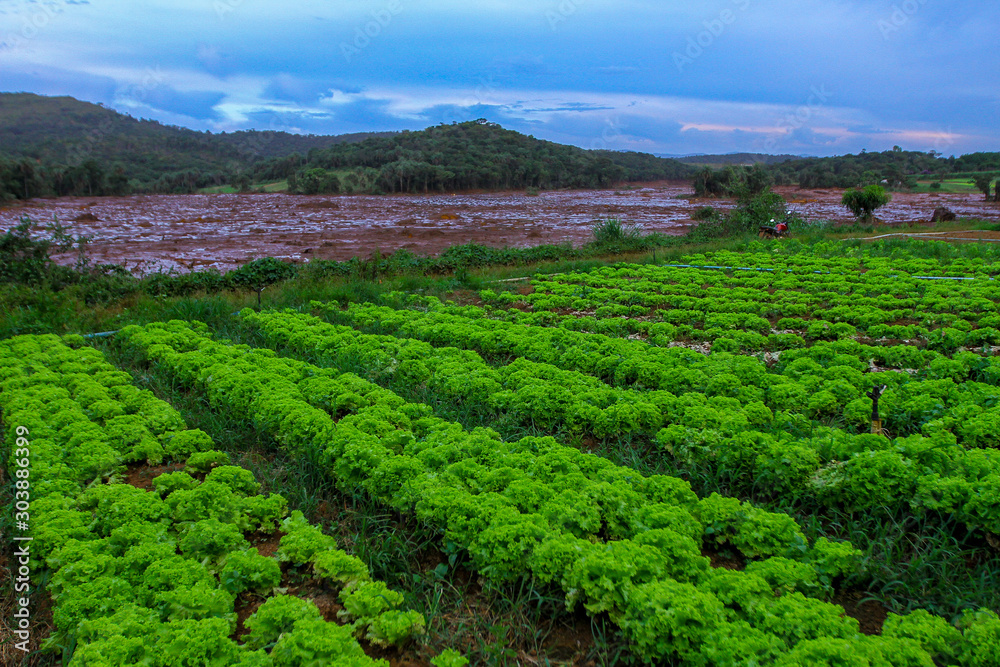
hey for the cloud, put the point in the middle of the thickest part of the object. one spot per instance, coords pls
(196, 104)
(605, 76)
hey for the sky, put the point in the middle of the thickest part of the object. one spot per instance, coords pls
(802, 77)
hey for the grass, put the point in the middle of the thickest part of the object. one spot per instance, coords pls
(948, 186)
(274, 186)
(31, 310)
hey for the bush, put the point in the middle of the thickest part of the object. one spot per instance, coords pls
(705, 213)
(314, 181)
(864, 203)
(754, 210)
(614, 232)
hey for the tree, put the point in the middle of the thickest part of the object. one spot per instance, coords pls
(864, 203)
(314, 181)
(983, 183)
(754, 210)
(242, 182)
(758, 179)
(711, 183)
(260, 274)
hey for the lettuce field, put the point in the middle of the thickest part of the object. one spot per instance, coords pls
(636, 464)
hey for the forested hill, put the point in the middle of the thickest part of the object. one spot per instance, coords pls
(895, 166)
(79, 147)
(474, 155)
(60, 145)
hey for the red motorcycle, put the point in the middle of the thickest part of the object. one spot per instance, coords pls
(775, 231)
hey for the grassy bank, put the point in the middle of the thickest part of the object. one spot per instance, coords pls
(49, 299)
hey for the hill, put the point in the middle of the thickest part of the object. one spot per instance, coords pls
(897, 166)
(61, 145)
(87, 148)
(467, 156)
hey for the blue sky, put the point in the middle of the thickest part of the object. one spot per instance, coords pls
(781, 76)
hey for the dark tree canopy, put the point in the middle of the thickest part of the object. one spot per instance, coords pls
(480, 155)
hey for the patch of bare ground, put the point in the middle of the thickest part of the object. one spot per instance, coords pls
(141, 475)
(727, 560)
(40, 621)
(870, 614)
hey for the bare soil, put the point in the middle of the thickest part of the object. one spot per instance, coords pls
(870, 614)
(190, 232)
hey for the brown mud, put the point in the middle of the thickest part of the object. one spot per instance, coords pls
(147, 233)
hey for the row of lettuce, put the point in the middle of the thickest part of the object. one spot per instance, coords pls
(613, 540)
(771, 310)
(153, 576)
(727, 410)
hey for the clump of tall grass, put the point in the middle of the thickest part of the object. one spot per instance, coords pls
(614, 231)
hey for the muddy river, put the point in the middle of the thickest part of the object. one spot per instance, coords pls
(189, 232)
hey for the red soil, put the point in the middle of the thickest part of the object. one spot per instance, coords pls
(188, 232)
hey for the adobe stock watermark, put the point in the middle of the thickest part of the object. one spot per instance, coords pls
(254, 143)
(714, 29)
(78, 153)
(34, 22)
(364, 34)
(799, 118)
(224, 7)
(483, 94)
(562, 12)
(943, 140)
(21, 562)
(901, 15)
(612, 131)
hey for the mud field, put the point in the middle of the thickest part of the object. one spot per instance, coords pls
(147, 233)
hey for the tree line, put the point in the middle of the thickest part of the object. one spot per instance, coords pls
(896, 168)
(475, 155)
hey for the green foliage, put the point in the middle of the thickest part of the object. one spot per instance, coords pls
(240, 480)
(169, 482)
(260, 274)
(248, 570)
(477, 155)
(864, 203)
(984, 182)
(785, 575)
(393, 628)
(262, 512)
(981, 631)
(314, 181)
(669, 618)
(277, 616)
(449, 658)
(302, 541)
(209, 538)
(341, 568)
(935, 635)
(204, 461)
(365, 602)
(196, 642)
(614, 233)
(740, 182)
(315, 642)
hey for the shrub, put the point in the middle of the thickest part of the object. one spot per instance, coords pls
(614, 232)
(864, 203)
